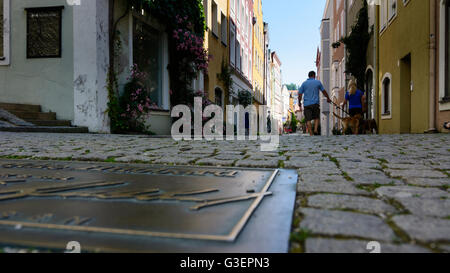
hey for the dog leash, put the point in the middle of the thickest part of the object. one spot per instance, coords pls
(340, 108)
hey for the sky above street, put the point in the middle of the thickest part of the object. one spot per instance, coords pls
(294, 34)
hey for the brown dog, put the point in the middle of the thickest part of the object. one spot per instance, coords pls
(369, 126)
(350, 122)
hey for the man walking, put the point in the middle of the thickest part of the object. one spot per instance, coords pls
(310, 92)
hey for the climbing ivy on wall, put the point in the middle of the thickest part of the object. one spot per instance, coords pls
(356, 44)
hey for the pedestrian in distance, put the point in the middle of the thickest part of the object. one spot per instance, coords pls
(309, 92)
(355, 99)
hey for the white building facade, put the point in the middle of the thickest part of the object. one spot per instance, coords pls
(241, 46)
(276, 95)
(325, 66)
(62, 61)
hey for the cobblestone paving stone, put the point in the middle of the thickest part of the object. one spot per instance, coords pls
(394, 189)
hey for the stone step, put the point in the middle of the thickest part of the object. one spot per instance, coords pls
(51, 123)
(20, 107)
(28, 116)
(46, 129)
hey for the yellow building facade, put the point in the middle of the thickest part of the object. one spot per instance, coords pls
(404, 66)
(258, 53)
(217, 44)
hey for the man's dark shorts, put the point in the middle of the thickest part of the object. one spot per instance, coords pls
(312, 112)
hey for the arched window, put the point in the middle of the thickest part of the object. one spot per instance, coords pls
(386, 96)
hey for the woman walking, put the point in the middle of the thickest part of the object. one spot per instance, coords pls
(355, 99)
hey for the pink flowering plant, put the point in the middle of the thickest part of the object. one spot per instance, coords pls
(189, 58)
(135, 102)
(205, 102)
(190, 44)
(185, 25)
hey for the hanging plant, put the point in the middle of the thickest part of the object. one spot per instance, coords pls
(245, 98)
(225, 76)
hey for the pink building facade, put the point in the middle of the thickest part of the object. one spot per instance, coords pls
(241, 47)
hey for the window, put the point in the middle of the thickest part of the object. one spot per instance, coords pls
(386, 96)
(383, 15)
(224, 25)
(244, 64)
(205, 9)
(232, 44)
(44, 26)
(392, 9)
(246, 26)
(215, 18)
(218, 97)
(147, 54)
(238, 55)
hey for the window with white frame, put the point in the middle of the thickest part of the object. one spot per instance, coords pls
(386, 96)
(215, 18)
(4, 32)
(392, 9)
(383, 14)
(232, 44)
(238, 55)
(224, 26)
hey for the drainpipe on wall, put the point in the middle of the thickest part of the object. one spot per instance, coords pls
(432, 113)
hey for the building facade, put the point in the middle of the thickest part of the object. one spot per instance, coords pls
(353, 9)
(67, 75)
(267, 67)
(65, 70)
(276, 86)
(285, 101)
(441, 9)
(217, 44)
(324, 66)
(338, 77)
(404, 66)
(241, 46)
(258, 53)
(64, 74)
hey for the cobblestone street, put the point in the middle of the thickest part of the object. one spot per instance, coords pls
(351, 190)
